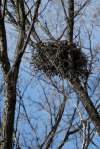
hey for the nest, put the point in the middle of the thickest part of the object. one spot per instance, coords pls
(60, 58)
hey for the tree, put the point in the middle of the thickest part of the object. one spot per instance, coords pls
(27, 23)
(11, 73)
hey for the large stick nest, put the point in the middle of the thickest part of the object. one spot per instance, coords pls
(60, 58)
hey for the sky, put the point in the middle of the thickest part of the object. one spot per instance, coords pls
(34, 91)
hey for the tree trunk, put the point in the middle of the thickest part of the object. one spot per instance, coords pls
(9, 112)
(70, 20)
(88, 104)
(11, 73)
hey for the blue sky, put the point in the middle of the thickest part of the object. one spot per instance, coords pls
(34, 91)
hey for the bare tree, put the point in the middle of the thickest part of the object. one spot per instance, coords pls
(11, 72)
(29, 20)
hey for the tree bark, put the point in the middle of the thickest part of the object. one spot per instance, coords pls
(70, 20)
(88, 104)
(9, 112)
